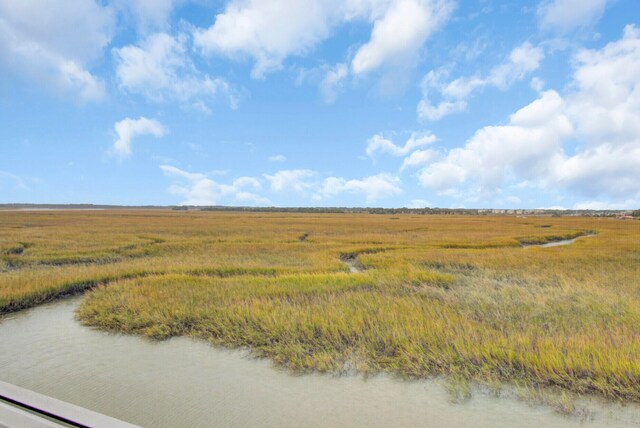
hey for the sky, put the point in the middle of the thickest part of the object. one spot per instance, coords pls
(379, 103)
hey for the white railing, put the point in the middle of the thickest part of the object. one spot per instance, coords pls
(22, 408)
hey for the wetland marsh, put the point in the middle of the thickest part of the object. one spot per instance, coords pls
(412, 297)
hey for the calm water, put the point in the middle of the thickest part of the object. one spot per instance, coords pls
(188, 383)
(558, 243)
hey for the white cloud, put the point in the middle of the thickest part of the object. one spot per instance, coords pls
(332, 82)
(418, 158)
(51, 41)
(269, 31)
(72, 28)
(277, 158)
(563, 16)
(127, 129)
(379, 144)
(443, 176)
(522, 60)
(148, 14)
(537, 84)
(374, 188)
(249, 182)
(310, 184)
(436, 112)
(587, 141)
(160, 68)
(199, 189)
(601, 205)
(400, 32)
(603, 170)
(526, 147)
(606, 99)
(605, 106)
(298, 180)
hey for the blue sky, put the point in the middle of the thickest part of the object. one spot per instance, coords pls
(442, 103)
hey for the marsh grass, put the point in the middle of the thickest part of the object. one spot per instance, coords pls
(437, 295)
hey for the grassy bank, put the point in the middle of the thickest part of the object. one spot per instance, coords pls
(436, 294)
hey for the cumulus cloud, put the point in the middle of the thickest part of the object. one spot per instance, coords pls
(418, 158)
(400, 32)
(587, 141)
(605, 107)
(374, 188)
(127, 129)
(379, 144)
(269, 31)
(310, 184)
(298, 180)
(603, 170)
(429, 111)
(606, 99)
(199, 189)
(277, 158)
(160, 68)
(413, 158)
(51, 42)
(522, 60)
(525, 146)
(148, 14)
(564, 16)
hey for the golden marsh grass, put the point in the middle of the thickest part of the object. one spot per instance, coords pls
(436, 295)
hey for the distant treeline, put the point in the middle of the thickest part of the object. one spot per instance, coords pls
(334, 210)
(423, 211)
(341, 210)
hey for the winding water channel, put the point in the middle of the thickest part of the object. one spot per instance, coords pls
(184, 382)
(558, 243)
